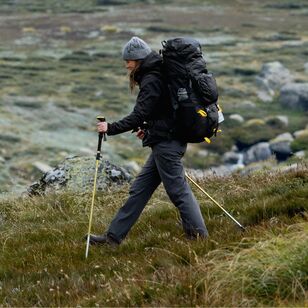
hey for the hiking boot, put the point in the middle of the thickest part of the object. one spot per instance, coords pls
(103, 239)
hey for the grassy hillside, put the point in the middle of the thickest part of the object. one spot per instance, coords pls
(42, 259)
(61, 66)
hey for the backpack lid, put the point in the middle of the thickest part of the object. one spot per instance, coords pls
(183, 47)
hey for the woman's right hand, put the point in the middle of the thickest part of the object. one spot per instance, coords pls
(102, 127)
(140, 133)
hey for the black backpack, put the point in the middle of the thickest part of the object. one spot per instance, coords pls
(193, 90)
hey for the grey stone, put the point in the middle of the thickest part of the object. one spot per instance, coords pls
(265, 97)
(272, 77)
(231, 158)
(236, 117)
(286, 137)
(280, 146)
(292, 167)
(283, 119)
(133, 167)
(203, 153)
(306, 67)
(219, 171)
(259, 166)
(300, 133)
(258, 152)
(244, 104)
(300, 154)
(248, 105)
(42, 166)
(294, 96)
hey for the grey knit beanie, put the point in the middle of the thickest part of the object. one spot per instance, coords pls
(136, 49)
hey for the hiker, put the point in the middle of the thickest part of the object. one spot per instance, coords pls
(152, 118)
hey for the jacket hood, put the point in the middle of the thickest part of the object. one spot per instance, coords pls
(152, 63)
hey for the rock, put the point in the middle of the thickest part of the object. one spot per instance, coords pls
(42, 166)
(258, 166)
(280, 146)
(254, 122)
(243, 104)
(76, 174)
(236, 117)
(300, 154)
(231, 158)
(283, 119)
(248, 105)
(258, 152)
(133, 167)
(292, 167)
(283, 137)
(2, 160)
(265, 96)
(294, 96)
(272, 77)
(306, 67)
(222, 170)
(203, 153)
(277, 121)
(300, 133)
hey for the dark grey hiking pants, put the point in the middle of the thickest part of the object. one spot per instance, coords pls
(163, 165)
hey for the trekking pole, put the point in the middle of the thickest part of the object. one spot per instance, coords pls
(98, 156)
(229, 215)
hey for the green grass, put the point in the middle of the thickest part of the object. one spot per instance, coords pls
(42, 259)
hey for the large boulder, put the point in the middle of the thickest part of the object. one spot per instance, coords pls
(258, 152)
(76, 174)
(294, 96)
(272, 77)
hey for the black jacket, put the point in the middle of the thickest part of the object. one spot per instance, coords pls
(152, 105)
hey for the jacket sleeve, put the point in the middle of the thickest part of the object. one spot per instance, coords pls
(147, 99)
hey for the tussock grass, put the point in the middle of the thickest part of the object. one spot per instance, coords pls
(42, 259)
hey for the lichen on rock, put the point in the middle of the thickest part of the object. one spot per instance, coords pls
(76, 174)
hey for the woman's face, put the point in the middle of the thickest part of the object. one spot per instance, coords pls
(131, 65)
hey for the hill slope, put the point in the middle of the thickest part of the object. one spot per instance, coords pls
(42, 259)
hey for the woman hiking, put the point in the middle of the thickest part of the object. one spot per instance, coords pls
(164, 163)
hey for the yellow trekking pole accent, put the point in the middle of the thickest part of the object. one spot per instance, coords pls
(229, 215)
(98, 156)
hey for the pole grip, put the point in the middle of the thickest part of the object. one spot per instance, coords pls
(100, 138)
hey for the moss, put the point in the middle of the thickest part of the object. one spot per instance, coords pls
(300, 143)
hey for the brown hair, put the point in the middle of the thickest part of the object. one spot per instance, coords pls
(132, 81)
